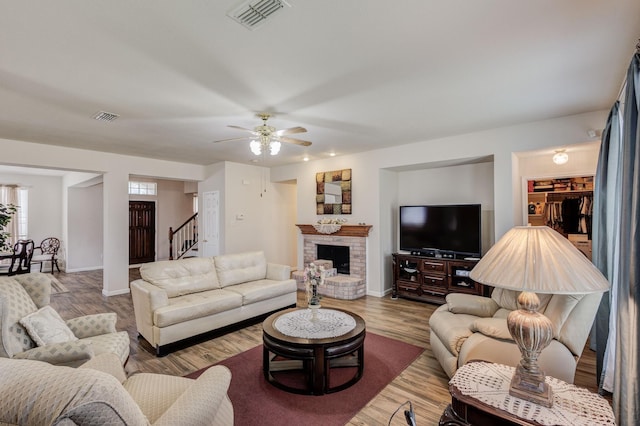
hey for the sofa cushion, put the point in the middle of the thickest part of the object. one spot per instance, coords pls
(241, 268)
(452, 329)
(257, 291)
(114, 343)
(45, 326)
(559, 309)
(460, 303)
(183, 276)
(492, 327)
(196, 305)
(15, 303)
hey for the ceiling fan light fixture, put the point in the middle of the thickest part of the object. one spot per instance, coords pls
(560, 157)
(255, 147)
(274, 147)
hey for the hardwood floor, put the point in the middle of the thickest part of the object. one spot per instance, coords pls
(423, 382)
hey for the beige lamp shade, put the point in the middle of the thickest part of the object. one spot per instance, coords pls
(540, 260)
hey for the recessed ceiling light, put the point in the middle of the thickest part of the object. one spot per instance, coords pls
(305, 158)
(332, 154)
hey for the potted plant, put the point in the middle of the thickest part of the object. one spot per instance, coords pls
(6, 214)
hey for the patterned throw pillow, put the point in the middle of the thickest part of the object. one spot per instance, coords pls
(46, 327)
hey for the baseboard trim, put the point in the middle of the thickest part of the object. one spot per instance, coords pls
(88, 268)
(115, 292)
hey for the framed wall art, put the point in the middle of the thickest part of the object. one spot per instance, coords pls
(333, 192)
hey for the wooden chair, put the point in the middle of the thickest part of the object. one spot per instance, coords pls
(48, 253)
(20, 259)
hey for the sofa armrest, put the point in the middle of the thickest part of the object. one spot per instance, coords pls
(278, 272)
(492, 327)
(109, 363)
(93, 325)
(199, 404)
(71, 353)
(147, 298)
(470, 304)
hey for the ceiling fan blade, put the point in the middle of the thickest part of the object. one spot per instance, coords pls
(244, 138)
(243, 128)
(294, 140)
(291, 131)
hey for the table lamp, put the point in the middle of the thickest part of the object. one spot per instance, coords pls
(535, 259)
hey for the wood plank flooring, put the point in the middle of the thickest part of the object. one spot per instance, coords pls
(423, 382)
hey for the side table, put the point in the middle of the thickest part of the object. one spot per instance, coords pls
(480, 395)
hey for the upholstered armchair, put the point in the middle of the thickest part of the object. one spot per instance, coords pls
(99, 393)
(31, 329)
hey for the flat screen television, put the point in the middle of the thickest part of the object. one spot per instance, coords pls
(436, 229)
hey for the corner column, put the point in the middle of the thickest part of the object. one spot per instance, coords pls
(115, 258)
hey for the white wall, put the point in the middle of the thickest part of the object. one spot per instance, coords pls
(45, 204)
(389, 203)
(85, 232)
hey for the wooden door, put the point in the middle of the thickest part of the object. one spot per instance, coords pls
(142, 231)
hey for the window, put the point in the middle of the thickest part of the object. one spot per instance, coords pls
(195, 203)
(22, 215)
(19, 197)
(143, 188)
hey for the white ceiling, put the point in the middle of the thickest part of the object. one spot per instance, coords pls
(358, 74)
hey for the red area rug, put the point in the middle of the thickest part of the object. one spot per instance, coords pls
(256, 402)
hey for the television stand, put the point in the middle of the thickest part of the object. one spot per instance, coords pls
(430, 279)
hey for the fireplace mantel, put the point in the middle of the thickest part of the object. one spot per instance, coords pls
(345, 230)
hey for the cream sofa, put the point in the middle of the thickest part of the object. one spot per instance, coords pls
(98, 393)
(470, 327)
(178, 299)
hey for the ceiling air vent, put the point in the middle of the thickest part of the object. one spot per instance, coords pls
(105, 116)
(253, 13)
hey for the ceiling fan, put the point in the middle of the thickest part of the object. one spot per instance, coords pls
(265, 137)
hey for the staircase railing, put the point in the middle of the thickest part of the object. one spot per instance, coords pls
(184, 238)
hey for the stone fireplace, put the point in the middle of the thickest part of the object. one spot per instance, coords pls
(351, 285)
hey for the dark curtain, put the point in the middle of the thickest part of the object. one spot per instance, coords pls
(616, 239)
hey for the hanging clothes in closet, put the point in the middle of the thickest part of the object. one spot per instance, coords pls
(553, 215)
(576, 215)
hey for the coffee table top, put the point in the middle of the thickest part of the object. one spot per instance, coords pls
(315, 323)
(334, 324)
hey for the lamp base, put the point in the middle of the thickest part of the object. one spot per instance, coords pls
(531, 388)
(532, 332)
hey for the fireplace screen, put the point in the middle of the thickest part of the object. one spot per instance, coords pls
(339, 255)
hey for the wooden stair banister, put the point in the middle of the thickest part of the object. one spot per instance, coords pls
(185, 237)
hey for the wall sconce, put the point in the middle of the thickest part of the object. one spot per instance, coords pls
(560, 157)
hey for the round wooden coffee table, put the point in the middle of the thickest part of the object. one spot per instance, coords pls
(313, 358)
